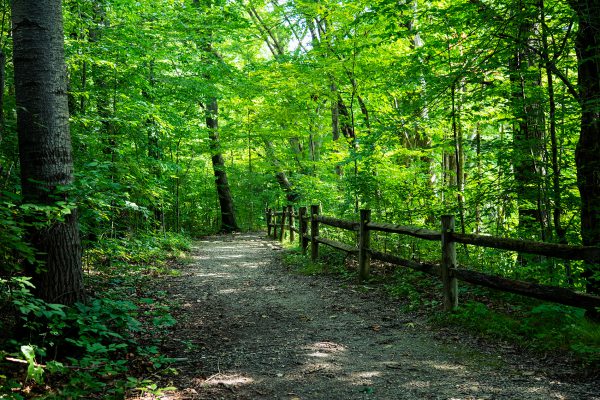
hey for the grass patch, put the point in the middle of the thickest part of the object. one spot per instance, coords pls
(540, 327)
(417, 290)
(331, 262)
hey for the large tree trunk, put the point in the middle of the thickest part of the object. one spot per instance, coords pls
(587, 46)
(45, 143)
(228, 223)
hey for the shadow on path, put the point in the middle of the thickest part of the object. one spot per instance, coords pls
(251, 330)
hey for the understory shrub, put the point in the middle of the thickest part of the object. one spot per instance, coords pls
(98, 348)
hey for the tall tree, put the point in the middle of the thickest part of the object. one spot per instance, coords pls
(587, 46)
(228, 223)
(548, 63)
(45, 144)
(528, 131)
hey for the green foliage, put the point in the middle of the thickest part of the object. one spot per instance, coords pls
(357, 104)
(95, 347)
(542, 327)
(330, 262)
(16, 218)
(302, 264)
(138, 250)
(411, 287)
(141, 146)
(34, 371)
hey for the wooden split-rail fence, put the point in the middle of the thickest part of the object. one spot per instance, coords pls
(307, 230)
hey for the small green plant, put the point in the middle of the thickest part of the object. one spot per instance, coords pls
(301, 263)
(409, 285)
(94, 347)
(34, 371)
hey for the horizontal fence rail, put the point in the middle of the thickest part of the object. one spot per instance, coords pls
(405, 230)
(337, 245)
(308, 231)
(567, 252)
(338, 223)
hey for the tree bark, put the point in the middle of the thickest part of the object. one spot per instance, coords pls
(2, 84)
(556, 191)
(292, 195)
(587, 47)
(45, 144)
(228, 222)
(335, 112)
(528, 131)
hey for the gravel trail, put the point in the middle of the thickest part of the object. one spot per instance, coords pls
(249, 329)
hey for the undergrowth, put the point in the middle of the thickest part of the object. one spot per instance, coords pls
(329, 262)
(540, 327)
(104, 348)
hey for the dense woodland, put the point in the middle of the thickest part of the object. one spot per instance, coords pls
(187, 117)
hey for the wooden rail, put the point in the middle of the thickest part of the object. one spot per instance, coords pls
(428, 268)
(338, 223)
(405, 230)
(447, 270)
(337, 245)
(585, 253)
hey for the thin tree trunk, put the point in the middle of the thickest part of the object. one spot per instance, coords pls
(528, 129)
(228, 222)
(421, 138)
(557, 210)
(84, 66)
(561, 232)
(460, 160)
(2, 84)
(5, 17)
(479, 174)
(154, 150)
(291, 194)
(45, 144)
(335, 112)
(103, 104)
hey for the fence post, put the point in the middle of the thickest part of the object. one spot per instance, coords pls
(291, 219)
(364, 238)
(314, 232)
(303, 229)
(448, 261)
(282, 227)
(269, 220)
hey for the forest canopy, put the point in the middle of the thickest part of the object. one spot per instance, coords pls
(192, 116)
(129, 126)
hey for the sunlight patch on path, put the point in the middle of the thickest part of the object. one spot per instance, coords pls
(261, 332)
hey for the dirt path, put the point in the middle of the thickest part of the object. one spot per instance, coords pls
(251, 330)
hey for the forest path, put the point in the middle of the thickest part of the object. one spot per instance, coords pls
(250, 329)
